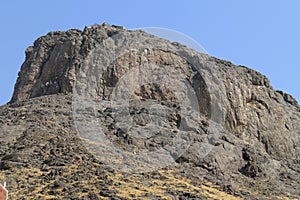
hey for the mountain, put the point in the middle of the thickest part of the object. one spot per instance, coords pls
(110, 113)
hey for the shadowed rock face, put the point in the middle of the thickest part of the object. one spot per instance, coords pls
(252, 131)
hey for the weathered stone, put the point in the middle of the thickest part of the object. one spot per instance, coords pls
(244, 136)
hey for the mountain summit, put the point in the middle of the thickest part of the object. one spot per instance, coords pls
(110, 113)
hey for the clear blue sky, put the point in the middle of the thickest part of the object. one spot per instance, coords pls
(261, 34)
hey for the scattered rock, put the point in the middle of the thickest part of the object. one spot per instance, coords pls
(244, 135)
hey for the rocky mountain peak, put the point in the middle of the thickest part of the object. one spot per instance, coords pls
(51, 63)
(114, 113)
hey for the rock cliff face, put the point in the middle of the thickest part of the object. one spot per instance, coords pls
(242, 142)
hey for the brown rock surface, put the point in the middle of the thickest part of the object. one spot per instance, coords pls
(243, 141)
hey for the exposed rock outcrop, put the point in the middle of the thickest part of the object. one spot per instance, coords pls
(243, 138)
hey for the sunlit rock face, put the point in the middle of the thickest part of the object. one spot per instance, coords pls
(188, 117)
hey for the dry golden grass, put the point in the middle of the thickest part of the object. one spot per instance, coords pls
(137, 187)
(160, 185)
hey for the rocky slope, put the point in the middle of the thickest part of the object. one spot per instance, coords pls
(199, 128)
